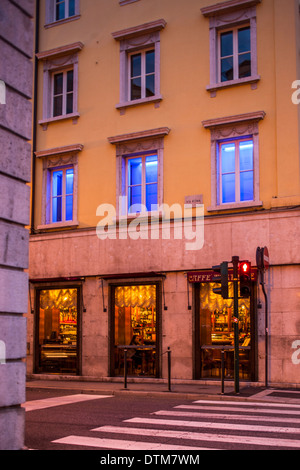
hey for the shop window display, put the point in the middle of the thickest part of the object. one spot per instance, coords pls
(135, 329)
(58, 322)
(217, 330)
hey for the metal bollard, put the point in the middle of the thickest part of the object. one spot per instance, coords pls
(125, 369)
(222, 371)
(169, 369)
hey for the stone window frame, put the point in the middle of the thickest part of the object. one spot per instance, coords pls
(233, 127)
(54, 61)
(57, 158)
(135, 144)
(50, 14)
(137, 39)
(225, 16)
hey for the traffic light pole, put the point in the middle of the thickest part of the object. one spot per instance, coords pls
(235, 262)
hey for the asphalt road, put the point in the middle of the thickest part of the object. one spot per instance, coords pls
(166, 427)
(43, 426)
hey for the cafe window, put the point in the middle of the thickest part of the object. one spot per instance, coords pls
(135, 329)
(57, 331)
(216, 330)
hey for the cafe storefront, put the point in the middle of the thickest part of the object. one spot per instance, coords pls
(135, 328)
(57, 330)
(214, 330)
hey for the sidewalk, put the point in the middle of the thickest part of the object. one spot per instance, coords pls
(146, 387)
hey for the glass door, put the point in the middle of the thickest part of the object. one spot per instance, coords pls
(135, 329)
(216, 330)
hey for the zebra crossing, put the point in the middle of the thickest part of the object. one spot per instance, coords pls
(201, 425)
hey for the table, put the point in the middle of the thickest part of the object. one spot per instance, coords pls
(223, 348)
(138, 347)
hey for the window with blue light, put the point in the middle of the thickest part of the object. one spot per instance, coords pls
(57, 183)
(62, 194)
(246, 171)
(142, 183)
(151, 182)
(134, 184)
(69, 193)
(235, 171)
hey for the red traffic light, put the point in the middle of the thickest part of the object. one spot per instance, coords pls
(245, 279)
(245, 268)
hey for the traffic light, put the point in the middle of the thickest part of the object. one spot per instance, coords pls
(221, 277)
(245, 279)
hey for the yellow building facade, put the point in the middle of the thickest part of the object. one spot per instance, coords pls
(166, 142)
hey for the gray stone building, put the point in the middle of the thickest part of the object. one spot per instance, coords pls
(16, 50)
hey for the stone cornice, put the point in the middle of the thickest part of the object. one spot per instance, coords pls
(145, 28)
(60, 150)
(239, 118)
(60, 51)
(159, 132)
(228, 7)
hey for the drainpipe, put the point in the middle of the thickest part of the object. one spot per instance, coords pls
(266, 332)
(37, 24)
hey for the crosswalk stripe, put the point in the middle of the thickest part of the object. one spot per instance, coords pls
(230, 426)
(118, 444)
(241, 409)
(255, 418)
(249, 424)
(245, 404)
(58, 401)
(232, 439)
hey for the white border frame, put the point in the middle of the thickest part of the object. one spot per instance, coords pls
(223, 17)
(62, 157)
(234, 127)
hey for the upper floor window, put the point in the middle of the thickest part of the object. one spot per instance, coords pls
(64, 9)
(235, 171)
(142, 75)
(62, 188)
(60, 86)
(233, 44)
(61, 11)
(139, 171)
(63, 93)
(235, 161)
(142, 183)
(235, 54)
(140, 64)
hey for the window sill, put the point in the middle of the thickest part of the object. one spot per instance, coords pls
(242, 81)
(127, 104)
(233, 206)
(59, 22)
(58, 225)
(46, 122)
